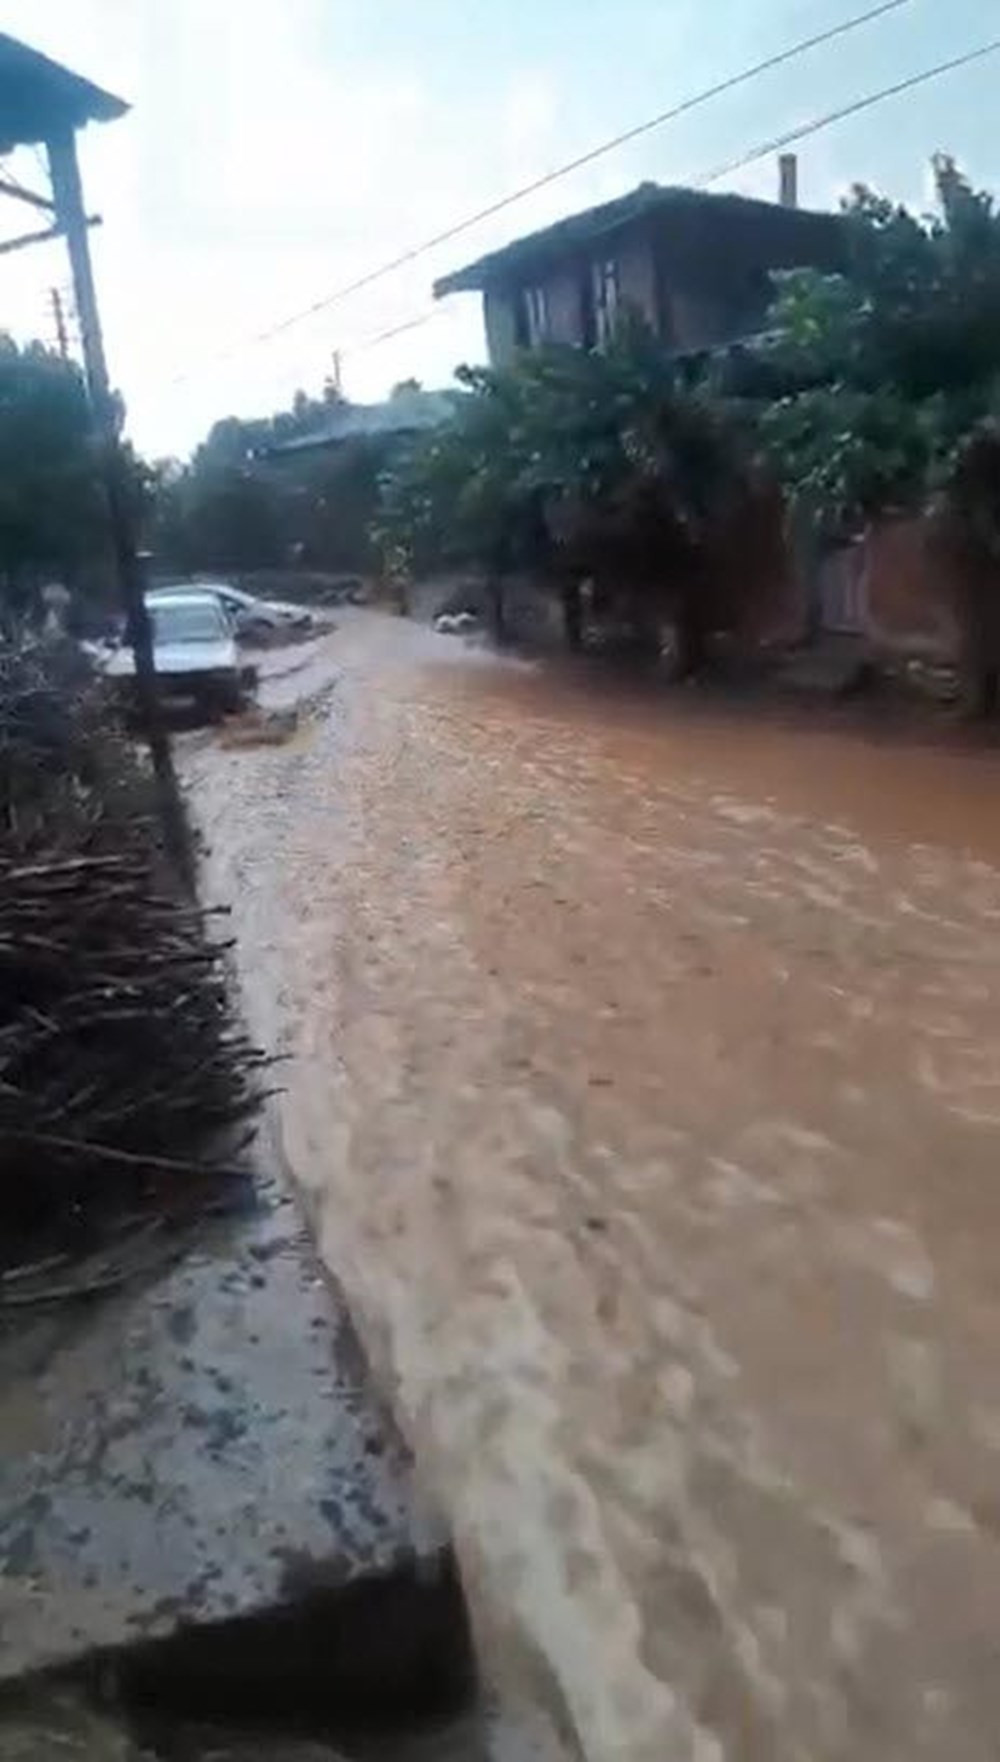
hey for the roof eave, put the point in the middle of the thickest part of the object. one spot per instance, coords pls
(516, 261)
(50, 99)
(462, 282)
(511, 264)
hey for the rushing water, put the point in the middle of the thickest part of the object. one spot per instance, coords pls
(645, 1076)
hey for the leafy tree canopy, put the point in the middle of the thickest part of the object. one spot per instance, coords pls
(52, 513)
(234, 507)
(563, 449)
(893, 362)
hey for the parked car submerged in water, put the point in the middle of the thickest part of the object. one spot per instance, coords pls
(194, 651)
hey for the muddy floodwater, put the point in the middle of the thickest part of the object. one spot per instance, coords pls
(644, 1076)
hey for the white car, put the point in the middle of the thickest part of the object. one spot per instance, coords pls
(194, 651)
(253, 619)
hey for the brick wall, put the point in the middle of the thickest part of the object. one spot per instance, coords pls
(908, 596)
(891, 590)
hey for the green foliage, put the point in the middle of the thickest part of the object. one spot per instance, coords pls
(846, 454)
(889, 365)
(216, 515)
(567, 459)
(52, 511)
(235, 507)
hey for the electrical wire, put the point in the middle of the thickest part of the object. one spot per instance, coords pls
(561, 171)
(765, 150)
(682, 108)
(855, 108)
(395, 330)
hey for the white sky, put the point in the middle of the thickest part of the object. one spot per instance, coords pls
(278, 148)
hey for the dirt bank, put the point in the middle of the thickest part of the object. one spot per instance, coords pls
(646, 1077)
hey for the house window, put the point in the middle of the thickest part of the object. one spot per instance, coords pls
(607, 297)
(536, 316)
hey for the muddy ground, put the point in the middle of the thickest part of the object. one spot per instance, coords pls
(644, 1075)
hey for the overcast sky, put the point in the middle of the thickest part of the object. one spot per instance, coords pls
(278, 148)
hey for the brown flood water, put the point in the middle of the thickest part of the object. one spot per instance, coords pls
(645, 1079)
(908, 773)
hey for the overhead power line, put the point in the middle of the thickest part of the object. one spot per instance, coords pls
(395, 330)
(775, 144)
(765, 150)
(550, 177)
(457, 228)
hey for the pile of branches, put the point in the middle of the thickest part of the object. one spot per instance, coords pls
(125, 1080)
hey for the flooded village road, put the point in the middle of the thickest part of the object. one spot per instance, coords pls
(644, 1076)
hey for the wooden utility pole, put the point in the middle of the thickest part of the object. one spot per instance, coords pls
(59, 319)
(71, 219)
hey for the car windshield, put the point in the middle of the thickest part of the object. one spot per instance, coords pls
(188, 623)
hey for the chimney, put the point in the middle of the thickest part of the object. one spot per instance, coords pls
(788, 180)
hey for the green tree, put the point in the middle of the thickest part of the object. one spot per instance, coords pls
(892, 384)
(577, 465)
(241, 505)
(217, 515)
(52, 509)
(889, 365)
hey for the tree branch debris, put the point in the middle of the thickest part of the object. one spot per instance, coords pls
(124, 1077)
